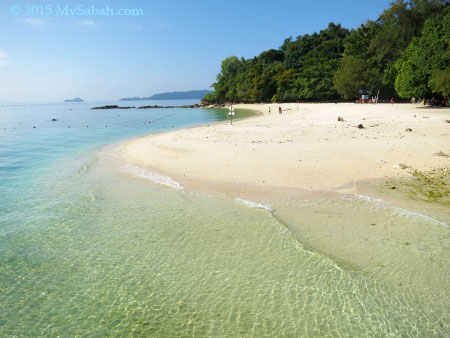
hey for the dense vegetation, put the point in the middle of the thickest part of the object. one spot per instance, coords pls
(405, 53)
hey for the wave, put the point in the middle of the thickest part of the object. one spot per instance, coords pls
(401, 211)
(151, 176)
(254, 205)
(411, 214)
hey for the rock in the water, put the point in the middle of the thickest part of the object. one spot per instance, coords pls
(53, 120)
(112, 107)
(360, 126)
(408, 129)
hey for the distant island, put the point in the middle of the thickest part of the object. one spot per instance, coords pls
(192, 94)
(77, 99)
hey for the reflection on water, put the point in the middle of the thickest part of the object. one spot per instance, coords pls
(108, 254)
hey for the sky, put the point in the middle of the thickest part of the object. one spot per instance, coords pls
(50, 52)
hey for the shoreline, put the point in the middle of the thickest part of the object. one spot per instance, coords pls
(336, 213)
(305, 149)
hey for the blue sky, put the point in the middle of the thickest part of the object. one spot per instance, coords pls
(174, 45)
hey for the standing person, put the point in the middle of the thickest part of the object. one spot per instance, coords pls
(280, 111)
(269, 110)
(392, 100)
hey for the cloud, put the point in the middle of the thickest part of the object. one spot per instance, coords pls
(4, 56)
(35, 21)
(86, 23)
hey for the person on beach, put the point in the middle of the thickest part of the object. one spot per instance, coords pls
(280, 111)
(269, 109)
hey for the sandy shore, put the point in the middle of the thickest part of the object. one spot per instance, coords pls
(303, 148)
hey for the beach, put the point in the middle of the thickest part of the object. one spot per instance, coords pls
(305, 147)
(91, 246)
(352, 194)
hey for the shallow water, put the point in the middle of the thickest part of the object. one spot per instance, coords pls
(91, 248)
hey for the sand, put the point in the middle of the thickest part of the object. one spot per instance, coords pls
(312, 172)
(306, 148)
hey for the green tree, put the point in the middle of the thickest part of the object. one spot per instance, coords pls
(403, 53)
(422, 58)
(354, 74)
(440, 82)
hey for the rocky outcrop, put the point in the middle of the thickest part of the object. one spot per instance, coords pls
(112, 107)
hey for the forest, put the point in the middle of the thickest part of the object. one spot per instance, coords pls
(403, 54)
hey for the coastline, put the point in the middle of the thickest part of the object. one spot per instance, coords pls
(301, 149)
(323, 199)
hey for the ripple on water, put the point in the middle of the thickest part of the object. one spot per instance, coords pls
(115, 256)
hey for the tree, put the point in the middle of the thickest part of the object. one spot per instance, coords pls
(440, 82)
(422, 58)
(403, 53)
(353, 75)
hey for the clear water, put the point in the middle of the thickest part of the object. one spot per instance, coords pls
(87, 249)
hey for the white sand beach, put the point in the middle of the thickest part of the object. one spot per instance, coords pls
(304, 148)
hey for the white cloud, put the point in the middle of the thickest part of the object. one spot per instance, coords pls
(4, 56)
(35, 21)
(86, 23)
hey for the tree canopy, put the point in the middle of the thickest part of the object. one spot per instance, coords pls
(405, 53)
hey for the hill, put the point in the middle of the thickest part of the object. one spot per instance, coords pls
(192, 94)
(405, 53)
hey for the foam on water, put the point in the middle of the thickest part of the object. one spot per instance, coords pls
(254, 205)
(401, 211)
(416, 215)
(151, 176)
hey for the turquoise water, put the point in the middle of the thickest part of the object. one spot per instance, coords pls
(30, 141)
(87, 249)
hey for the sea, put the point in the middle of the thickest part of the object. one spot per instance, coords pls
(94, 247)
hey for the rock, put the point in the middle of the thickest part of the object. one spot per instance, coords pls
(408, 130)
(166, 107)
(447, 121)
(112, 107)
(441, 154)
(360, 126)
